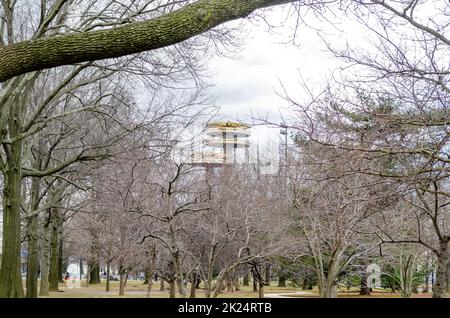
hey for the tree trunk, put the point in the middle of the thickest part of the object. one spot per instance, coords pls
(209, 276)
(255, 285)
(267, 275)
(222, 285)
(81, 269)
(53, 279)
(208, 288)
(161, 286)
(175, 251)
(172, 289)
(333, 291)
(236, 284)
(32, 258)
(149, 284)
(43, 290)
(146, 278)
(448, 272)
(10, 273)
(365, 289)
(87, 276)
(61, 270)
(282, 281)
(406, 275)
(94, 273)
(195, 282)
(328, 291)
(229, 284)
(305, 284)
(122, 283)
(246, 280)
(108, 273)
(150, 271)
(219, 283)
(440, 288)
(261, 290)
(181, 287)
(193, 290)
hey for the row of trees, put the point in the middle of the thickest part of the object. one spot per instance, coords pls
(385, 121)
(88, 171)
(312, 224)
(55, 121)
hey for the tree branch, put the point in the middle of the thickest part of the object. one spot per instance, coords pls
(166, 30)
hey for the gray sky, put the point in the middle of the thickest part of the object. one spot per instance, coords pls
(249, 85)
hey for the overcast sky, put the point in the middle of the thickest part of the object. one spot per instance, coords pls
(249, 84)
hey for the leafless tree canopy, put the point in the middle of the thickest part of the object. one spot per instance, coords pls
(97, 95)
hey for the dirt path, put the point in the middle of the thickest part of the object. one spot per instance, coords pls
(288, 294)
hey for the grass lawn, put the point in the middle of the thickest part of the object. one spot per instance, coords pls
(136, 289)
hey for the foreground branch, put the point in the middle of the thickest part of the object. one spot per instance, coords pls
(163, 31)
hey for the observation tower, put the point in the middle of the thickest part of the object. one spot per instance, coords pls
(228, 137)
(220, 143)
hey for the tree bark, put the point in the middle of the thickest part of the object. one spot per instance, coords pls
(135, 37)
(261, 289)
(10, 274)
(108, 273)
(61, 270)
(267, 275)
(192, 293)
(94, 273)
(328, 290)
(440, 288)
(305, 284)
(209, 275)
(53, 279)
(150, 272)
(246, 280)
(122, 283)
(236, 284)
(448, 272)
(333, 291)
(281, 280)
(364, 290)
(43, 290)
(407, 265)
(149, 285)
(229, 284)
(172, 290)
(427, 284)
(255, 284)
(180, 276)
(146, 278)
(32, 257)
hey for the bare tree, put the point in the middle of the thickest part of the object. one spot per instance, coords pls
(389, 107)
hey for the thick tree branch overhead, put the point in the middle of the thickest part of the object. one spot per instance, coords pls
(169, 29)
